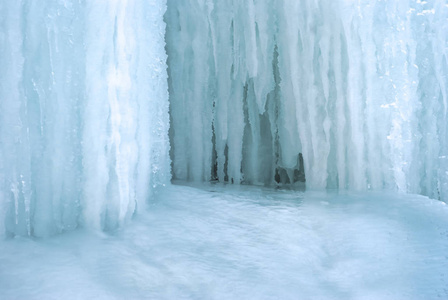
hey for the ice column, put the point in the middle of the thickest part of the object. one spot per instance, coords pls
(84, 113)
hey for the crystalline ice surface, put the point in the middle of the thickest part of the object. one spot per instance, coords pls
(339, 94)
(84, 112)
(357, 90)
(103, 102)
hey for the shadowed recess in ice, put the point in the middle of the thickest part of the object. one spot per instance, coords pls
(84, 112)
(352, 94)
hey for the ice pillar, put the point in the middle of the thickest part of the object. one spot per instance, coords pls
(84, 112)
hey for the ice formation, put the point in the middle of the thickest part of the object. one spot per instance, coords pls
(245, 242)
(351, 94)
(84, 112)
(347, 94)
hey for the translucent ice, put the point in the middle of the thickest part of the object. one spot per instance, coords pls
(356, 90)
(84, 112)
(347, 94)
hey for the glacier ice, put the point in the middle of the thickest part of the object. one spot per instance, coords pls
(350, 94)
(84, 112)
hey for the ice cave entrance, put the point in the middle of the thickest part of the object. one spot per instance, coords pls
(349, 95)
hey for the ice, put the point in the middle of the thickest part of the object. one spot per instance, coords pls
(84, 113)
(349, 94)
(103, 102)
(339, 95)
(223, 242)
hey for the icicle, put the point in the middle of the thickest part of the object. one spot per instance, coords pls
(84, 113)
(356, 88)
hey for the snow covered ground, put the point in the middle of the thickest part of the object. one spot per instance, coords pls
(239, 242)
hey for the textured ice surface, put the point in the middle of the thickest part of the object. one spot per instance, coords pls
(352, 94)
(83, 112)
(244, 243)
(358, 88)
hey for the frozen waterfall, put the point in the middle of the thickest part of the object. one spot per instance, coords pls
(84, 112)
(349, 94)
(343, 94)
(287, 127)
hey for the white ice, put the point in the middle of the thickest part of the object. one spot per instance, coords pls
(217, 242)
(345, 94)
(83, 113)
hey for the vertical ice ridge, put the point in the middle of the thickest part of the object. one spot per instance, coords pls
(84, 117)
(11, 43)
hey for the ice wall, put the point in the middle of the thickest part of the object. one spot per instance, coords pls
(358, 89)
(84, 112)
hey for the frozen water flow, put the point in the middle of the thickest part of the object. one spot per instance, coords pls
(84, 113)
(345, 94)
(349, 94)
(244, 243)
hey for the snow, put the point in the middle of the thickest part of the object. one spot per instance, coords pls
(224, 242)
